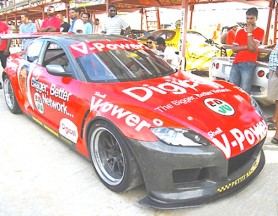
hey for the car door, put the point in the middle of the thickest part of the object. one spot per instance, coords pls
(57, 104)
(26, 66)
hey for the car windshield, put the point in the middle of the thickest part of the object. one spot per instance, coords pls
(123, 65)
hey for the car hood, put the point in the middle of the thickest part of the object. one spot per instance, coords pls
(219, 112)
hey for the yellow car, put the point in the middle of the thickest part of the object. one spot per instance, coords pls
(199, 49)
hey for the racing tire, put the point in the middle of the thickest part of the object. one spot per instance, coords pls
(9, 95)
(113, 161)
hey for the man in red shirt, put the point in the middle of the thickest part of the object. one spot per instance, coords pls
(51, 23)
(4, 46)
(246, 48)
(231, 35)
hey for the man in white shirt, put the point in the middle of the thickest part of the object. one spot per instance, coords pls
(169, 54)
(115, 24)
(97, 27)
(77, 25)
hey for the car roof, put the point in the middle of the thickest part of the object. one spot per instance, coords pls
(71, 38)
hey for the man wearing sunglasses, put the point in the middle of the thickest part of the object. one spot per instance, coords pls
(151, 44)
(115, 24)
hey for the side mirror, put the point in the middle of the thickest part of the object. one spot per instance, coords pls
(209, 41)
(32, 58)
(57, 70)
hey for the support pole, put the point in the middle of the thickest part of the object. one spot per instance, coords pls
(183, 30)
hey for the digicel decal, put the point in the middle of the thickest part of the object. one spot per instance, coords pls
(145, 92)
(84, 48)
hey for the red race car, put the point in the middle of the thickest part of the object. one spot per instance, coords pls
(189, 140)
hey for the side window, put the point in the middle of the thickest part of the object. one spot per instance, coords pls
(55, 55)
(195, 38)
(33, 51)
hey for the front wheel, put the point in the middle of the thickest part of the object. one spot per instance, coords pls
(113, 161)
(10, 96)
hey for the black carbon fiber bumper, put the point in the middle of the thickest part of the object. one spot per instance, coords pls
(179, 177)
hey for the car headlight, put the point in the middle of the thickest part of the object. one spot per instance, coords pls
(179, 137)
(257, 107)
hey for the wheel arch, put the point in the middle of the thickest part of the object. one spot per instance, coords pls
(140, 178)
(91, 122)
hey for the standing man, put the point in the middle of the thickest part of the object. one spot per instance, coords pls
(64, 25)
(77, 25)
(51, 23)
(26, 27)
(231, 35)
(88, 29)
(272, 91)
(246, 48)
(115, 24)
(97, 27)
(216, 33)
(4, 46)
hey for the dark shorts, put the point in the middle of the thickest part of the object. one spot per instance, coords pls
(3, 59)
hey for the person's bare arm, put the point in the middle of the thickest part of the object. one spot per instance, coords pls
(252, 45)
(127, 31)
(49, 29)
(236, 48)
(80, 31)
(7, 50)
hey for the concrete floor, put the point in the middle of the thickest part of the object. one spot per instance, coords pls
(41, 176)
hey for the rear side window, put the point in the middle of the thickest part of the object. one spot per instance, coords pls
(33, 51)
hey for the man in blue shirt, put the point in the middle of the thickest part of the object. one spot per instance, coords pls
(88, 29)
(26, 27)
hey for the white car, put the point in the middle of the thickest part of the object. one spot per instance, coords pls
(221, 66)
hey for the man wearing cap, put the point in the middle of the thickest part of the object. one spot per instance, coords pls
(168, 53)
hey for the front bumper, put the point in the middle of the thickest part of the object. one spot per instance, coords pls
(178, 177)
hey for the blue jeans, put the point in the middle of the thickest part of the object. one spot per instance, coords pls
(242, 75)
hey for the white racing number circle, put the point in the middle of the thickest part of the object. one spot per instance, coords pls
(219, 106)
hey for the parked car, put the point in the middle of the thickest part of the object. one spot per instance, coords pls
(220, 70)
(199, 49)
(136, 33)
(122, 107)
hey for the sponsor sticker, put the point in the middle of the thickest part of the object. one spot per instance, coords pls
(68, 129)
(39, 102)
(219, 106)
(236, 138)
(85, 48)
(98, 103)
(241, 178)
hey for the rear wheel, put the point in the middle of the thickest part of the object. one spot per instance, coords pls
(113, 161)
(10, 96)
